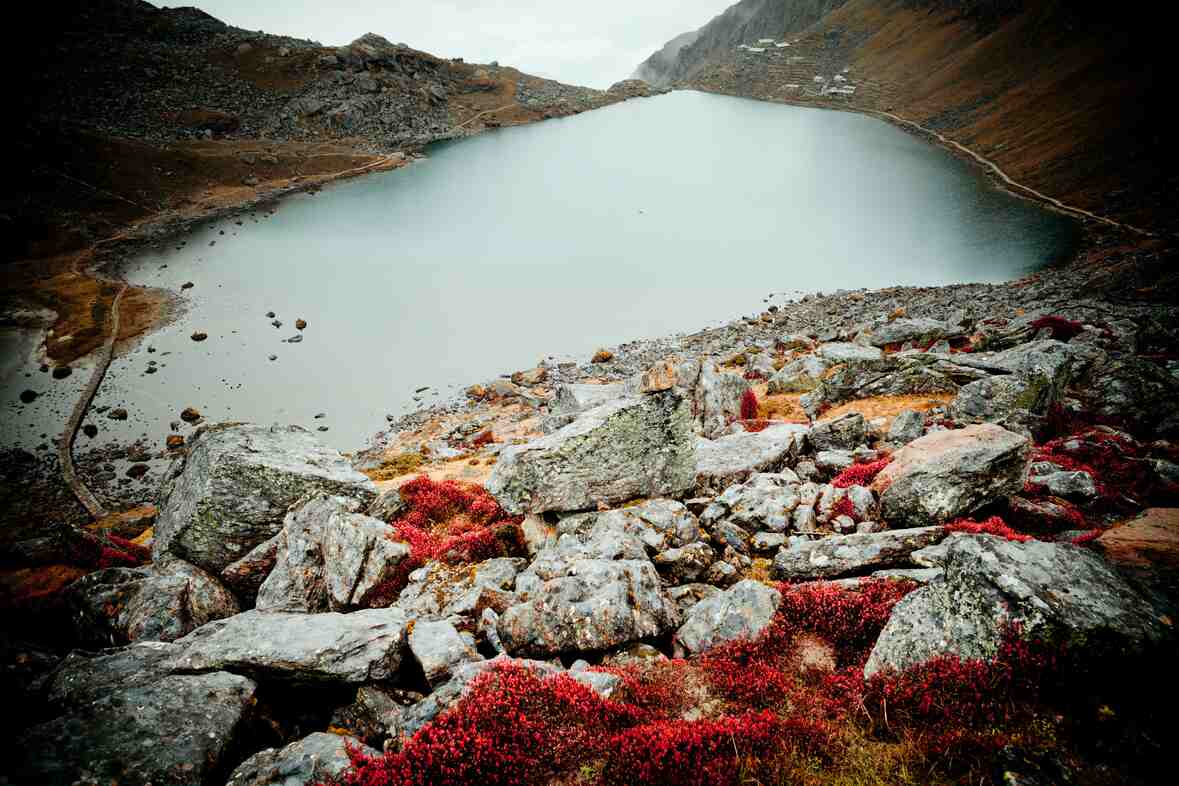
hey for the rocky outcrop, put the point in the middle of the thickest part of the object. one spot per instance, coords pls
(314, 759)
(122, 718)
(632, 447)
(232, 490)
(740, 612)
(837, 556)
(439, 648)
(363, 646)
(948, 474)
(1052, 591)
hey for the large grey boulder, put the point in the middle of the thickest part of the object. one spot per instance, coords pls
(363, 646)
(901, 331)
(849, 555)
(1048, 364)
(845, 432)
(658, 524)
(161, 602)
(595, 605)
(329, 557)
(800, 375)
(439, 648)
(906, 427)
(764, 502)
(840, 353)
(633, 447)
(1127, 389)
(313, 759)
(124, 719)
(570, 400)
(740, 612)
(1053, 591)
(232, 490)
(732, 459)
(716, 400)
(948, 474)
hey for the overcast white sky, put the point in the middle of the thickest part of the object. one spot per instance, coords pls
(591, 42)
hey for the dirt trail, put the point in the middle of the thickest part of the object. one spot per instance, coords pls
(473, 118)
(991, 165)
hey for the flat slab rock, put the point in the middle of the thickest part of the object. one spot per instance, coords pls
(313, 759)
(363, 646)
(624, 449)
(125, 720)
(1052, 590)
(740, 612)
(948, 474)
(234, 486)
(733, 458)
(848, 555)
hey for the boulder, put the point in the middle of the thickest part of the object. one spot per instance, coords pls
(1145, 550)
(363, 646)
(161, 602)
(842, 433)
(900, 331)
(571, 400)
(732, 459)
(596, 605)
(232, 489)
(837, 556)
(124, 719)
(1053, 591)
(764, 502)
(837, 353)
(906, 427)
(1126, 389)
(376, 715)
(800, 375)
(948, 474)
(632, 447)
(716, 399)
(438, 648)
(686, 564)
(740, 612)
(329, 557)
(314, 759)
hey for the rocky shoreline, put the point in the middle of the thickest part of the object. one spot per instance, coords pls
(973, 463)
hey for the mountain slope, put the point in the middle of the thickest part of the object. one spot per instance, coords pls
(1063, 96)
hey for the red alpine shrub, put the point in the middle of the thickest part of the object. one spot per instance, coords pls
(860, 474)
(748, 405)
(844, 508)
(992, 526)
(87, 550)
(1062, 329)
(1086, 538)
(483, 438)
(449, 522)
(754, 426)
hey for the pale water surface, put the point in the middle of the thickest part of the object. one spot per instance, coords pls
(643, 219)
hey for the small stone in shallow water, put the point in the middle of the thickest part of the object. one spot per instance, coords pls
(322, 428)
(187, 285)
(174, 442)
(28, 396)
(274, 357)
(61, 372)
(198, 336)
(190, 415)
(137, 470)
(300, 324)
(270, 315)
(277, 323)
(117, 414)
(90, 430)
(294, 339)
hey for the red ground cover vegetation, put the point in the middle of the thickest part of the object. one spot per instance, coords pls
(1062, 329)
(860, 474)
(752, 714)
(450, 522)
(991, 526)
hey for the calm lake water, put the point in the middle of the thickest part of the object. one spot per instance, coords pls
(643, 219)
